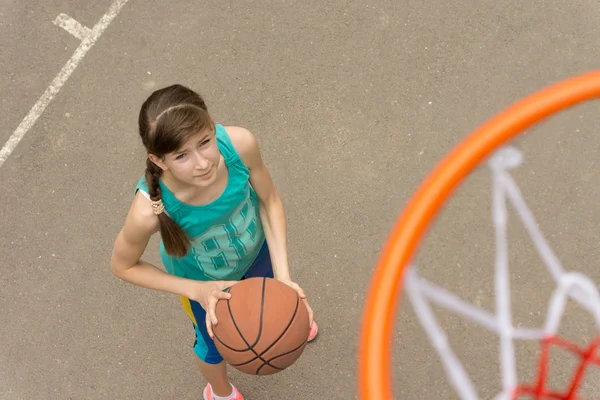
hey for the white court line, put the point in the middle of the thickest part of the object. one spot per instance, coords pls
(73, 27)
(60, 79)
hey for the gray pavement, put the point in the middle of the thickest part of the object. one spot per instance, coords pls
(353, 104)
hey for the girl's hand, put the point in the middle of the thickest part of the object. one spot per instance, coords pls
(208, 294)
(302, 295)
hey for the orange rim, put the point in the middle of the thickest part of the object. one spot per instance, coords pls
(375, 346)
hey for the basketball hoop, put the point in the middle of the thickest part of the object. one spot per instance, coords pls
(391, 274)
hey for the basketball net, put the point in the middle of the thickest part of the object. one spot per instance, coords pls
(395, 270)
(576, 286)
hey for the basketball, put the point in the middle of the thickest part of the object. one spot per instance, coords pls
(263, 328)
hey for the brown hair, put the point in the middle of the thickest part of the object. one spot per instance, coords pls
(167, 119)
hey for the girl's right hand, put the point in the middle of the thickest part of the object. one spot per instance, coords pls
(208, 294)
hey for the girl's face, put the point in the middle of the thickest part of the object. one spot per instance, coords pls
(196, 162)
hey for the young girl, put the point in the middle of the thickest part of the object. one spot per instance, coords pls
(208, 192)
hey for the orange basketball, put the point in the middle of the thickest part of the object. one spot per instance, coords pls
(263, 328)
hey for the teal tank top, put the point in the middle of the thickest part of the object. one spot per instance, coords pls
(226, 235)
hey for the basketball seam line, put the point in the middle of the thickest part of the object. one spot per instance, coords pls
(251, 348)
(280, 355)
(238, 329)
(259, 356)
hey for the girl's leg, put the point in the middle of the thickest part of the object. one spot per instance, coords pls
(216, 376)
(211, 364)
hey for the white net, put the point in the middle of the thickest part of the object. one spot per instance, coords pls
(576, 286)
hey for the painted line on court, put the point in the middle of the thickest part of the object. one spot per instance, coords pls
(73, 27)
(89, 37)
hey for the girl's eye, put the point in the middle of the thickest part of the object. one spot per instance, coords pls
(180, 156)
(204, 142)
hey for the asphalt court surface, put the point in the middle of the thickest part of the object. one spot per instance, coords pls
(353, 103)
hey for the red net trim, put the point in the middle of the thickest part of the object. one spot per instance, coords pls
(539, 391)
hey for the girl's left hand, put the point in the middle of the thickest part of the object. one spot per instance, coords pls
(302, 295)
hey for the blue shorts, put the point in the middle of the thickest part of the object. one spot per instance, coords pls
(204, 346)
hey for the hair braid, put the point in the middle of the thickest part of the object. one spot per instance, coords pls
(174, 238)
(153, 174)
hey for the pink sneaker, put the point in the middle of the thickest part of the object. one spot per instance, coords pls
(314, 330)
(208, 393)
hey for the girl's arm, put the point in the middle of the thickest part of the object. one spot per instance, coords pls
(129, 246)
(272, 213)
(271, 208)
(126, 263)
